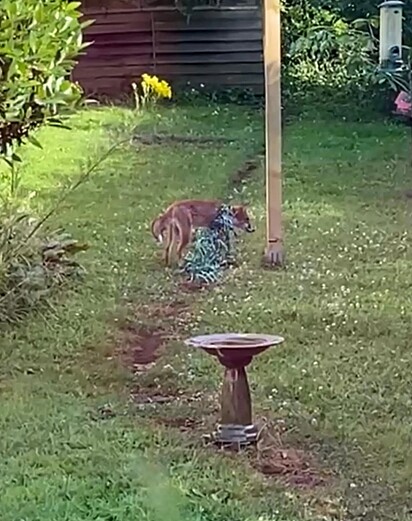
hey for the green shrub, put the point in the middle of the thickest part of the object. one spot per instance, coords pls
(332, 62)
(39, 42)
(31, 266)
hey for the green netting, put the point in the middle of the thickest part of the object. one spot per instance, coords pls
(212, 250)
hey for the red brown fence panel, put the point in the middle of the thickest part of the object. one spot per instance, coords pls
(218, 48)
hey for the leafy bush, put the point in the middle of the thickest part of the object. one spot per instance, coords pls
(39, 41)
(335, 55)
(331, 61)
(351, 10)
(31, 266)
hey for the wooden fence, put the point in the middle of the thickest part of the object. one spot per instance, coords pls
(218, 48)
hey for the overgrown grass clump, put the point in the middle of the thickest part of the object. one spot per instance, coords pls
(33, 264)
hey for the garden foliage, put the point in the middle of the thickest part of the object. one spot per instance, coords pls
(329, 55)
(39, 43)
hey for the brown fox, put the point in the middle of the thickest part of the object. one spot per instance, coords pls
(176, 225)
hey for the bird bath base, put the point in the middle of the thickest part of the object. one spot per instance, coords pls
(233, 436)
(235, 352)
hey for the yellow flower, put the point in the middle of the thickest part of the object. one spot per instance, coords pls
(165, 89)
(155, 88)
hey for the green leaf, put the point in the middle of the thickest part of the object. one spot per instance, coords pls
(34, 142)
(7, 161)
(58, 124)
(73, 6)
(87, 23)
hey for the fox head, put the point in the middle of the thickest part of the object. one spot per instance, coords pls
(241, 218)
(158, 230)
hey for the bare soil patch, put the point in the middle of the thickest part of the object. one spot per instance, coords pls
(144, 335)
(142, 341)
(168, 139)
(276, 457)
(246, 171)
(182, 423)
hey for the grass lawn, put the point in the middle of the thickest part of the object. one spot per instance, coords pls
(337, 392)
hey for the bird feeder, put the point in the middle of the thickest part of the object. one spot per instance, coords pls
(390, 36)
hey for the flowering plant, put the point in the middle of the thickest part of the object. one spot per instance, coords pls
(151, 90)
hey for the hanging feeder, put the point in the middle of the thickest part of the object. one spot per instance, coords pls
(235, 352)
(390, 37)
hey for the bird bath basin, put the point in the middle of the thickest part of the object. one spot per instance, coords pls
(235, 351)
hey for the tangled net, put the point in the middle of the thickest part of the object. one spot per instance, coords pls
(213, 249)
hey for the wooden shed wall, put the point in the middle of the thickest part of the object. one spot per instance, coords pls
(219, 47)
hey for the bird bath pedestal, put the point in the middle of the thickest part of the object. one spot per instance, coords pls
(235, 351)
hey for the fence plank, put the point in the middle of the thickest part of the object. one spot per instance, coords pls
(103, 50)
(207, 37)
(168, 70)
(138, 57)
(104, 53)
(134, 27)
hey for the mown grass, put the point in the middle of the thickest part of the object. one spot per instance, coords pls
(341, 381)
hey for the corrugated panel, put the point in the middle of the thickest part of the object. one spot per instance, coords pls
(220, 47)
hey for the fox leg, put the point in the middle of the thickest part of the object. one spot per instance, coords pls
(185, 230)
(184, 241)
(173, 238)
(166, 254)
(168, 248)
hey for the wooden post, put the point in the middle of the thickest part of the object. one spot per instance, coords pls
(272, 60)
